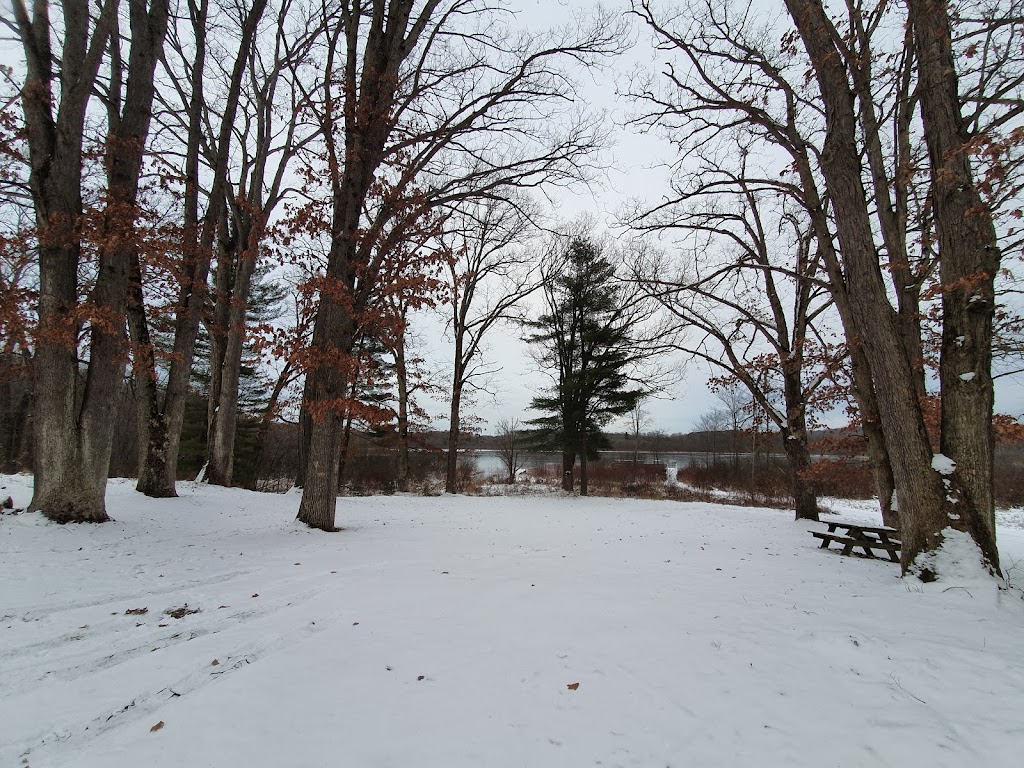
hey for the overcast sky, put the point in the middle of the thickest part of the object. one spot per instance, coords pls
(634, 173)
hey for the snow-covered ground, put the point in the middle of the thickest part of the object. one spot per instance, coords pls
(453, 631)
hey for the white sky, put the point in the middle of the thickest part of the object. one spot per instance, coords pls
(634, 174)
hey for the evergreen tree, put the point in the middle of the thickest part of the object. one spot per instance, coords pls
(587, 342)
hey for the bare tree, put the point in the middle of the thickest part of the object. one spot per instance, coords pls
(950, 491)
(161, 414)
(511, 447)
(731, 80)
(74, 423)
(750, 290)
(437, 102)
(712, 424)
(269, 135)
(639, 419)
(488, 274)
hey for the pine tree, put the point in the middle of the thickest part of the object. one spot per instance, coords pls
(586, 337)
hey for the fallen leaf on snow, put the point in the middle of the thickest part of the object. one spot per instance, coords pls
(573, 686)
(157, 727)
(182, 612)
(214, 663)
(136, 612)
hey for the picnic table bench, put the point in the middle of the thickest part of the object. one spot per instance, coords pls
(865, 537)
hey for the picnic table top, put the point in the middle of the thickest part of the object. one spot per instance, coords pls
(834, 524)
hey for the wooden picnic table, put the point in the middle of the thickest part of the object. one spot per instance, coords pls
(865, 537)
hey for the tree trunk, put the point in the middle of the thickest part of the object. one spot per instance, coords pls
(368, 95)
(454, 425)
(568, 462)
(152, 429)
(304, 432)
(333, 334)
(224, 416)
(863, 388)
(794, 442)
(15, 407)
(154, 472)
(75, 430)
(402, 375)
(922, 499)
(583, 463)
(799, 460)
(320, 493)
(969, 261)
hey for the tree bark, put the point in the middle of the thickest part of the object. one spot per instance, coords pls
(74, 429)
(402, 377)
(15, 407)
(794, 441)
(568, 462)
(320, 492)
(333, 333)
(969, 260)
(454, 422)
(922, 499)
(223, 416)
(584, 486)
